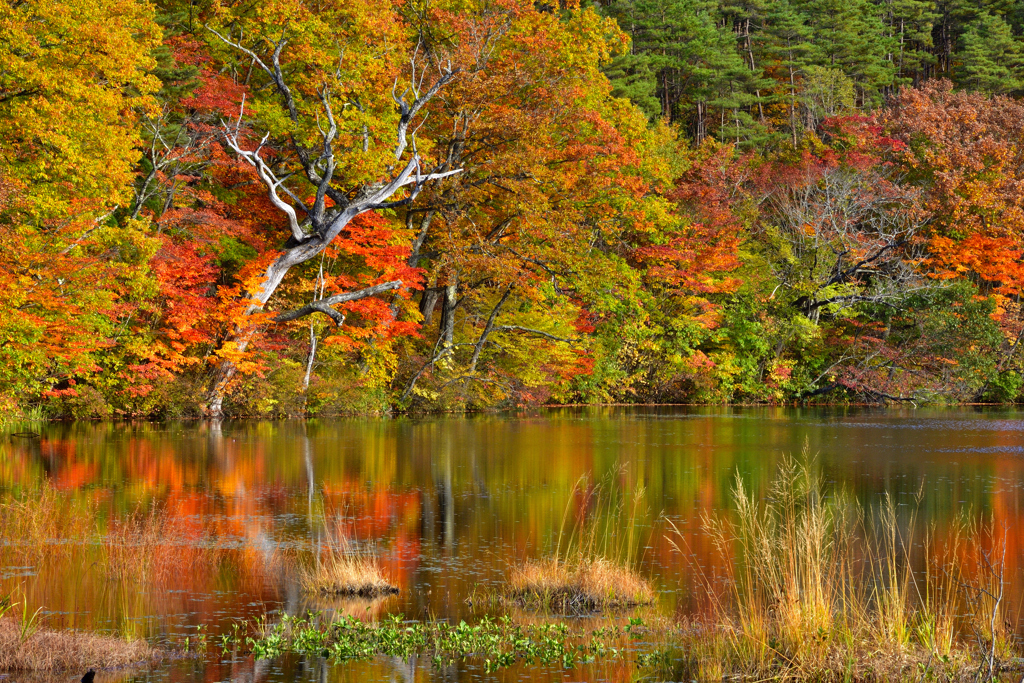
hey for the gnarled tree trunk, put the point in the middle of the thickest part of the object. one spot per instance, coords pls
(320, 225)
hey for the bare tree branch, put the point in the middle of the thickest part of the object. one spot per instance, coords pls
(487, 331)
(266, 175)
(539, 333)
(324, 305)
(318, 166)
(407, 111)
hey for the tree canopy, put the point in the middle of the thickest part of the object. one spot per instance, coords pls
(288, 207)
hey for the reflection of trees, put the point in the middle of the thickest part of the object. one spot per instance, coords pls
(451, 501)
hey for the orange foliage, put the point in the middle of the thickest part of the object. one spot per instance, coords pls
(965, 148)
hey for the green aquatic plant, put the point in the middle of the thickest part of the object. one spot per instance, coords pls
(29, 622)
(499, 643)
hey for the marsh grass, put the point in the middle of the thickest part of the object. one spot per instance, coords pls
(44, 522)
(131, 546)
(43, 649)
(154, 547)
(339, 569)
(597, 567)
(588, 583)
(147, 546)
(818, 588)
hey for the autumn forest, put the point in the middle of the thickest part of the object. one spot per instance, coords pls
(325, 207)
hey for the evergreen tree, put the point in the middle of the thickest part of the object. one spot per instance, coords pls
(731, 90)
(748, 19)
(701, 77)
(992, 60)
(787, 49)
(631, 73)
(910, 26)
(1015, 17)
(631, 77)
(851, 37)
(663, 32)
(954, 16)
(742, 70)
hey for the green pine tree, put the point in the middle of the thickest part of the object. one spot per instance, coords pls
(786, 46)
(631, 77)
(703, 79)
(660, 32)
(851, 37)
(910, 24)
(992, 59)
(954, 18)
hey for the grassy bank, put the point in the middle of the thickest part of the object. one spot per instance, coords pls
(25, 646)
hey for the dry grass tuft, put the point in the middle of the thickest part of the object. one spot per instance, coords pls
(338, 570)
(48, 650)
(596, 569)
(594, 583)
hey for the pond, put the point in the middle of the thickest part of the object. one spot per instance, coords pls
(450, 503)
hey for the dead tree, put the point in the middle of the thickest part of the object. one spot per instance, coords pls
(312, 228)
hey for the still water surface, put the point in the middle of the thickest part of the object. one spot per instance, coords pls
(450, 503)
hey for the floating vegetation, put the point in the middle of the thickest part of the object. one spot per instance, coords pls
(498, 642)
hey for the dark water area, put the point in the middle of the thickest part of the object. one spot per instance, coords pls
(449, 503)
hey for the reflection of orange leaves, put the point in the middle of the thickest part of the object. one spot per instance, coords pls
(74, 475)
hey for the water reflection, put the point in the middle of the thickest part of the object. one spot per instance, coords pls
(450, 502)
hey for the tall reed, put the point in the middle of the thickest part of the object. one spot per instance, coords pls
(817, 587)
(43, 522)
(146, 546)
(152, 546)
